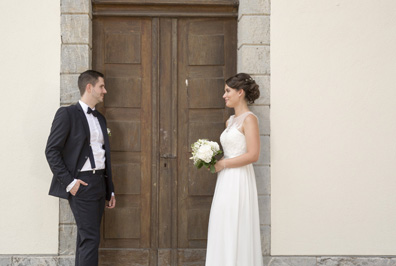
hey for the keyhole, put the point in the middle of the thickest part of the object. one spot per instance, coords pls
(164, 164)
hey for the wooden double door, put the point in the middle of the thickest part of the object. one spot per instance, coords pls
(165, 81)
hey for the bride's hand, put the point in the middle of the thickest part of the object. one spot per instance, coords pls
(220, 165)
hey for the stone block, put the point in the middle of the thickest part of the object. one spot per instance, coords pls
(75, 58)
(36, 261)
(76, 6)
(66, 260)
(263, 115)
(263, 179)
(266, 240)
(264, 158)
(264, 86)
(266, 260)
(5, 260)
(254, 7)
(254, 60)
(164, 257)
(265, 209)
(69, 91)
(65, 213)
(353, 261)
(76, 29)
(67, 239)
(254, 30)
(289, 261)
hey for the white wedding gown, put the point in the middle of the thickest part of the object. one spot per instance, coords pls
(234, 228)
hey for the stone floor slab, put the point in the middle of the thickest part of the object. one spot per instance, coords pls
(5, 261)
(355, 261)
(66, 260)
(289, 261)
(36, 261)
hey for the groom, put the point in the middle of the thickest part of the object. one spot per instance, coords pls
(78, 153)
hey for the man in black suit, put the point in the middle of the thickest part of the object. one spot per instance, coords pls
(78, 153)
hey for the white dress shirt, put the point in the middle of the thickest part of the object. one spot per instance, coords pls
(97, 142)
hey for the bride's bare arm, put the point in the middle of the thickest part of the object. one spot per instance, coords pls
(251, 130)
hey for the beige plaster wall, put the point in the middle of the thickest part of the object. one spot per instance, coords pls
(333, 127)
(29, 70)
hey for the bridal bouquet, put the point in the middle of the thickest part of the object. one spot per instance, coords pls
(204, 152)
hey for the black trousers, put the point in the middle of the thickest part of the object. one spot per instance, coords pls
(87, 207)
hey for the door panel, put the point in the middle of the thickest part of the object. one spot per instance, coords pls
(207, 52)
(122, 51)
(165, 81)
(167, 222)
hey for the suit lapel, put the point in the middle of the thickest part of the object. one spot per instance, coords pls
(84, 121)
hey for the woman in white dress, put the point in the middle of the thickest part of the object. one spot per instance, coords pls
(234, 227)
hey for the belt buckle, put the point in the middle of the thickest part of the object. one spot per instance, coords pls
(93, 171)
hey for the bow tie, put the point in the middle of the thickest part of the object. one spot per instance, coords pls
(93, 112)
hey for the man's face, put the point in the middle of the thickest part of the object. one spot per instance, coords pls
(98, 91)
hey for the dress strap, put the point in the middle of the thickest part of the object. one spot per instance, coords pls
(230, 119)
(237, 121)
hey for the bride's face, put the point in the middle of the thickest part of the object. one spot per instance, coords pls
(232, 96)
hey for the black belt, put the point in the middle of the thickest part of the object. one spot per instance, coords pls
(93, 172)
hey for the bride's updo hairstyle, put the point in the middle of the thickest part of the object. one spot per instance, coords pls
(245, 82)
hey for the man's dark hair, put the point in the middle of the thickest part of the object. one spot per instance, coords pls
(88, 77)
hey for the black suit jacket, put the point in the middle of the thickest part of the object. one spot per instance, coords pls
(68, 147)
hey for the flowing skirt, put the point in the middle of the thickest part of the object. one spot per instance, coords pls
(234, 227)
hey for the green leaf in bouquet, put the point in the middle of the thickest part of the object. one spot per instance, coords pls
(200, 164)
(212, 169)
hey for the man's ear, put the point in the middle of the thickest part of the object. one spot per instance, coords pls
(88, 88)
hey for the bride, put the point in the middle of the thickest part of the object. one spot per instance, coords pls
(234, 228)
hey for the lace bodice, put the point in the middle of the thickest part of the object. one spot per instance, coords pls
(232, 139)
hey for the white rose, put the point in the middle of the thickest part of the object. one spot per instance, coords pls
(215, 147)
(205, 153)
(196, 146)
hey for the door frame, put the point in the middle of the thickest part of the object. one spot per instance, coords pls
(164, 182)
(80, 49)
